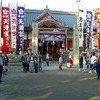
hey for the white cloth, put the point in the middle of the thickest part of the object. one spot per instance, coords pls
(60, 59)
(47, 56)
(0, 51)
(31, 65)
(84, 63)
(84, 60)
(70, 56)
(93, 59)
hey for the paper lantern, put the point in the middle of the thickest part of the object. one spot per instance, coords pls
(5, 48)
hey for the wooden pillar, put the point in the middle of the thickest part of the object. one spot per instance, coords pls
(27, 42)
(58, 46)
(42, 49)
(47, 46)
(66, 46)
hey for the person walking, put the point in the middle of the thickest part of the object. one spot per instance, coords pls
(1, 66)
(97, 66)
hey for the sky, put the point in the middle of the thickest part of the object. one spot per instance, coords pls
(61, 5)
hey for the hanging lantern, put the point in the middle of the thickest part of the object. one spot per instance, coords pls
(62, 44)
(5, 48)
(53, 43)
(40, 44)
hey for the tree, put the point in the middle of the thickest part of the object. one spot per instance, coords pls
(95, 19)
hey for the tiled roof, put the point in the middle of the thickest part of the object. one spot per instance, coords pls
(65, 18)
(48, 20)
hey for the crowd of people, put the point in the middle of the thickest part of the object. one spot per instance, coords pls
(34, 62)
(90, 63)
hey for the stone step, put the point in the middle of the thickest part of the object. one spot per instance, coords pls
(15, 64)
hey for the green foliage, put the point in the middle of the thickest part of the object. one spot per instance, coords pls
(95, 36)
(95, 10)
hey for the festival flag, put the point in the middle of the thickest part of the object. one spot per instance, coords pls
(20, 25)
(81, 32)
(98, 27)
(5, 28)
(89, 19)
(13, 23)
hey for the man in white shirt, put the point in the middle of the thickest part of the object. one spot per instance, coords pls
(84, 62)
(47, 58)
(93, 60)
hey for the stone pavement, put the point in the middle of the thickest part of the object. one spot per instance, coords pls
(50, 84)
(52, 66)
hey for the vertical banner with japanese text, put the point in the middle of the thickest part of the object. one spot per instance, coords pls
(13, 23)
(5, 26)
(98, 27)
(20, 25)
(89, 19)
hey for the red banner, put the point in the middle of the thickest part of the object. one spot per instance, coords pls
(98, 28)
(5, 27)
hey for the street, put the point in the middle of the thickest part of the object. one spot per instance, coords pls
(50, 84)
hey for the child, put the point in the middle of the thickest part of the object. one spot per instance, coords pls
(70, 62)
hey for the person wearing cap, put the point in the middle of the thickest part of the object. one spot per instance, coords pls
(1, 65)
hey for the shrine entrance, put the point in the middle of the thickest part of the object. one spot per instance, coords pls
(54, 44)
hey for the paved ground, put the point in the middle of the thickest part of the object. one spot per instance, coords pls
(50, 84)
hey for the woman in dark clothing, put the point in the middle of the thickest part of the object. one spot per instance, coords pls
(54, 58)
(81, 62)
(5, 63)
(36, 63)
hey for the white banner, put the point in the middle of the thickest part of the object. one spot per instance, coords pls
(81, 31)
(13, 23)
